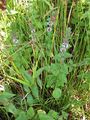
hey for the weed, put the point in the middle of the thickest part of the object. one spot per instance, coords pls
(45, 60)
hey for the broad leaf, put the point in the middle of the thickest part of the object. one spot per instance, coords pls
(53, 114)
(35, 91)
(56, 93)
(11, 108)
(30, 113)
(30, 100)
(43, 116)
(22, 116)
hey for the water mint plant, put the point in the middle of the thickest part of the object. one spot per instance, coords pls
(44, 60)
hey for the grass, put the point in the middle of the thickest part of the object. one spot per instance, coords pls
(45, 60)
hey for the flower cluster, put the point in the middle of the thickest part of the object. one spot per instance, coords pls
(33, 33)
(50, 23)
(15, 40)
(64, 46)
(32, 30)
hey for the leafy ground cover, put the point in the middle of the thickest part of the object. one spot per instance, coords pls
(45, 60)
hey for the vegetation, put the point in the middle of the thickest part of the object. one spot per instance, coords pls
(45, 60)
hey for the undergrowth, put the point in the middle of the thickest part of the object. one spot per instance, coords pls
(45, 60)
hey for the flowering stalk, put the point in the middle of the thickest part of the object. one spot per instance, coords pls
(64, 46)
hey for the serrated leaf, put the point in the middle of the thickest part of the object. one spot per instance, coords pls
(50, 79)
(61, 80)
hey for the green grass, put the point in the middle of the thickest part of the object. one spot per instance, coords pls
(43, 79)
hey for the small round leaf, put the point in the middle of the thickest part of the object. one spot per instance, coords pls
(56, 93)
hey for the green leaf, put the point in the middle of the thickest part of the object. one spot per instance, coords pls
(22, 116)
(27, 76)
(19, 80)
(30, 100)
(60, 118)
(61, 80)
(66, 55)
(35, 91)
(38, 72)
(53, 114)
(38, 24)
(6, 96)
(43, 116)
(55, 69)
(30, 113)
(26, 88)
(39, 82)
(64, 114)
(51, 80)
(56, 93)
(47, 3)
(11, 108)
